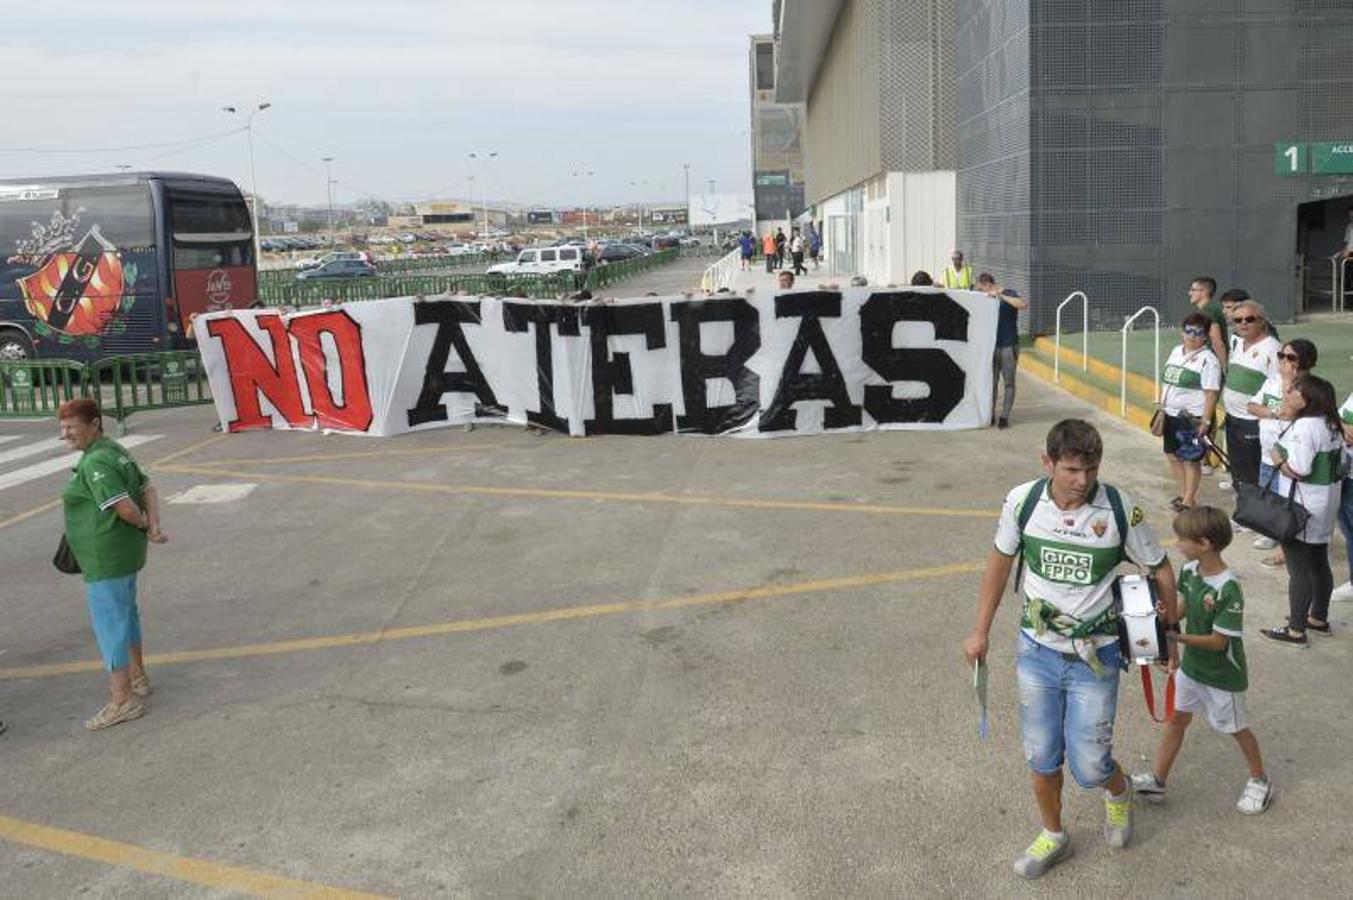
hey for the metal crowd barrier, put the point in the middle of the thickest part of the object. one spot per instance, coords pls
(121, 384)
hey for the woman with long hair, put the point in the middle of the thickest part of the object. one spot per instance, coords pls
(1192, 380)
(1309, 455)
(1296, 358)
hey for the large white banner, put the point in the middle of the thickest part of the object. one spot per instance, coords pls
(800, 362)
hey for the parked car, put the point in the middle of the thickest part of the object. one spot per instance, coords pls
(339, 268)
(317, 261)
(543, 261)
(616, 252)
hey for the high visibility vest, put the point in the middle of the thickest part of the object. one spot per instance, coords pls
(768, 245)
(958, 279)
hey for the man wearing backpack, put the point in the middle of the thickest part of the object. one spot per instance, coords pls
(1070, 531)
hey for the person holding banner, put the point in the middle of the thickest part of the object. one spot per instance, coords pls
(1070, 531)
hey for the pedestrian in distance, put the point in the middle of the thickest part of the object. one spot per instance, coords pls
(957, 274)
(1253, 358)
(796, 250)
(768, 251)
(1295, 359)
(112, 511)
(1309, 454)
(921, 278)
(1071, 531)
(815, 245)
(1192, 382)
(747, 247)
(1006, 359)
(1212, 677)
(780, 242)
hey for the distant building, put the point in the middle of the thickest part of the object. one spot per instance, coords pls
(876, 80)
(776, 142)
(1124, 148)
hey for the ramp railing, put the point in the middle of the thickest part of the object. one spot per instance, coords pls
(1085, 335)
(1155, 362)
(720, 275)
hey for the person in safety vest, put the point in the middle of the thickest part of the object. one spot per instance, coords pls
(1071, 531)
(957, 275)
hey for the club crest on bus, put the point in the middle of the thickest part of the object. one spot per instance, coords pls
(78, 286)
(218, 290)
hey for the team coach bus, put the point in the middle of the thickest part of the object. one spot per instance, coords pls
(102, 265)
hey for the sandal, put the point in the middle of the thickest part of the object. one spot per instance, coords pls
(114, 715)
(1284, 635)
(1176, 505)
(141, 686)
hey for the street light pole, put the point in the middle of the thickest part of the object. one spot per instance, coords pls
(687, 168)
(483, 189)
(253, 177)
(584, 175)
(329, 191)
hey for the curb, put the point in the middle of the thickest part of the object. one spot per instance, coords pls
(1136, 414)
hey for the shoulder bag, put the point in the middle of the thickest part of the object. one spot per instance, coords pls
(1270, 514)
(65, 560)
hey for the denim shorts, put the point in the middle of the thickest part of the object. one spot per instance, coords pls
(1066, 713)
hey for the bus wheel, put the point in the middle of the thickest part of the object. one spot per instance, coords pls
(14, 346)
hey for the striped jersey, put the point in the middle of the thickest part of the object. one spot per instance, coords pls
(1186, 376)
(1309, 449)
(1270, 395)
(1246, 370)
(1071, 555)
(1213, 604)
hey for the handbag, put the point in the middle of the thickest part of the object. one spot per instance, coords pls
(1272, 515)
(65, 560)
(1158, 422)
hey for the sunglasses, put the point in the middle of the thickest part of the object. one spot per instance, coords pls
(1290, 357)
(1245, 320)
(1194, 332)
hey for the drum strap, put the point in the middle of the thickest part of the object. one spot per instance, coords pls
(1149, 690)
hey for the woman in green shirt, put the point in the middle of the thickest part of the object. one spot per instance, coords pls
(112, 511)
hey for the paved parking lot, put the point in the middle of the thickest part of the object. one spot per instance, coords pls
(491, 663)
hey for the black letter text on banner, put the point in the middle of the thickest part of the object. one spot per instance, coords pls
(612, 374)
(795, 385)
(448, 316)
(929, 365)
(698, 367)
(519, 317)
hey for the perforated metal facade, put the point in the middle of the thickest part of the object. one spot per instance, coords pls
(1123, 146)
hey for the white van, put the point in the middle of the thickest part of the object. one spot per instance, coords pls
(543, 261)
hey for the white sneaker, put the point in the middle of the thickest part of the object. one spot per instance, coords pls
(1343, 592)
(1224, 485)
(1256, 797)
(1208, 470)
(1264, 543)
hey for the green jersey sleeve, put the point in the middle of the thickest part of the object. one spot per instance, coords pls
(1229, 616)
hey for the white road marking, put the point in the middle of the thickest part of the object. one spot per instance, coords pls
(63, 463)
(6, 438)
(47, 445)
(214, 493)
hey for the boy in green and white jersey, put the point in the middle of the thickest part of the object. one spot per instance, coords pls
(1212, 677)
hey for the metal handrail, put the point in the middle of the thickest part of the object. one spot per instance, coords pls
(1122, 362)
(1085, 335)
(720, 275)
(1340, 282)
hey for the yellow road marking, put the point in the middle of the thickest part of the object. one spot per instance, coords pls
(180, 868)
(611, 496)
(189, 449)
(763, 592)
(362, 454)
(28, 514)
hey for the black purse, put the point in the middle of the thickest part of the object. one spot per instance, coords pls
(65, 560)
(1272, 515)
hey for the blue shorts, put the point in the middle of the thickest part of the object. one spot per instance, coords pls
(1066, 713)
(116, 620)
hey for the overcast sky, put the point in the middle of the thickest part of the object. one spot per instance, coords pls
(398, 91)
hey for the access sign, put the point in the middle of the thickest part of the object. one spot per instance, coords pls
(1332, 158)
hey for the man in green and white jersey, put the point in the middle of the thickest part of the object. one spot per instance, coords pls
(1071, 532)
(1253, 358)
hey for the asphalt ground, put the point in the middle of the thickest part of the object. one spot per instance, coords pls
(499, 664)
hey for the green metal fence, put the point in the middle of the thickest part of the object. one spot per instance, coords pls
(122, 384)
(310, 293)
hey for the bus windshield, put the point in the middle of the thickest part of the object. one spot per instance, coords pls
(213, 252)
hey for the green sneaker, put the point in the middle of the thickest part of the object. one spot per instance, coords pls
(1118, 819)
(1044, 853)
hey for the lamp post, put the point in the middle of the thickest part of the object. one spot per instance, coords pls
(484, 158)
(253, 178)
(640, 204)
(584, 174)
(687, 168)
(329, 191)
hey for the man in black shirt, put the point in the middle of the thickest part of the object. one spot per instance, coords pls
(1007, 343)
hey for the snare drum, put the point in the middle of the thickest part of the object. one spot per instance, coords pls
(1141, 634)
